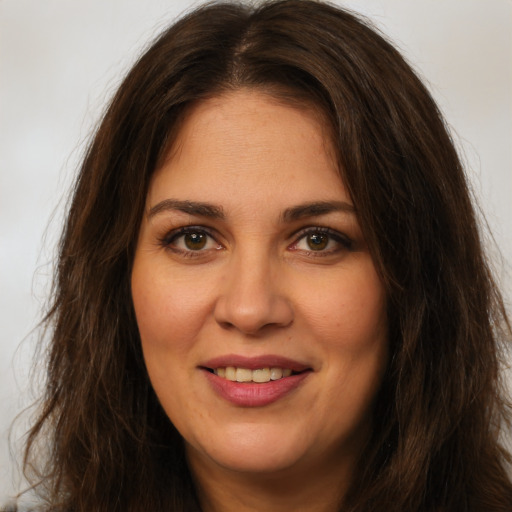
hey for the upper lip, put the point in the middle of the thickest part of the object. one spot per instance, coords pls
(255, 363)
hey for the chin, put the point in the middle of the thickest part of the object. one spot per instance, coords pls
(251, 450)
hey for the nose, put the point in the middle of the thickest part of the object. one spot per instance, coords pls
(252, 298)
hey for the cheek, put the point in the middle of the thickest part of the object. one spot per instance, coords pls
(169, 312)
(349, 312)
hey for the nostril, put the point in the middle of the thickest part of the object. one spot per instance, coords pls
(225, 325)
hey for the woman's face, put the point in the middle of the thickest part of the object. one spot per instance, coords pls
(261, 315)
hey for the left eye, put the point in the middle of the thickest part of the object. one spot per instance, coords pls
(316, 241)
(321, 241)
(191, 240)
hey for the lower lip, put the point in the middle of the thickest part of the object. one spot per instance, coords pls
(248, 394)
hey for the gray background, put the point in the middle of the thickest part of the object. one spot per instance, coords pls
(60, 60)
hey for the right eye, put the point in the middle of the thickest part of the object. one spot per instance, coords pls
(190, 240)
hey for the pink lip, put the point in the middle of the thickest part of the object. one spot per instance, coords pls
(247, 394)
(254, 363)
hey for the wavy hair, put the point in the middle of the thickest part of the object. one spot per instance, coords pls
(435, 441)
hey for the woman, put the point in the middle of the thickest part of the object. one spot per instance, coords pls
(271, 292)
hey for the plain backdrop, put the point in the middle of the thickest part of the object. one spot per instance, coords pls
(61, 60)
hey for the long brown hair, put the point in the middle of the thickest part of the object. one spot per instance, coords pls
(434, 446)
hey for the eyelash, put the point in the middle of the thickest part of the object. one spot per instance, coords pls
(343, 242)
(169, 239)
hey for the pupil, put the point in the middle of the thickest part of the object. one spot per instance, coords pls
(317, 241)
(195, 241)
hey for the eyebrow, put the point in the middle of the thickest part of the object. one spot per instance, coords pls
(191, 207)
(202, 209)
(316, 209)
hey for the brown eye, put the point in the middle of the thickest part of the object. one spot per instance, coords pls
(317, 241)
(190, 241)
(322, 241)
(195, 241)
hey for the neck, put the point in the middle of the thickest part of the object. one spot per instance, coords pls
(314, 488)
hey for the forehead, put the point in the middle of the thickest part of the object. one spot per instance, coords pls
(250, 141)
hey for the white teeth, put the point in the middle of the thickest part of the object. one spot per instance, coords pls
(243, 375)
(276, 373)
(262, 375)
(246, 375)
(230, 373)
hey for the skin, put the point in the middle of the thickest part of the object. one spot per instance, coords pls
(260, 285)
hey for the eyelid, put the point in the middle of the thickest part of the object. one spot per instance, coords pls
(342, 239)
(167, 240)
(183, 230)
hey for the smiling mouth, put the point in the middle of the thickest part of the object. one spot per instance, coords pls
(260, 375)
(254, 382)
